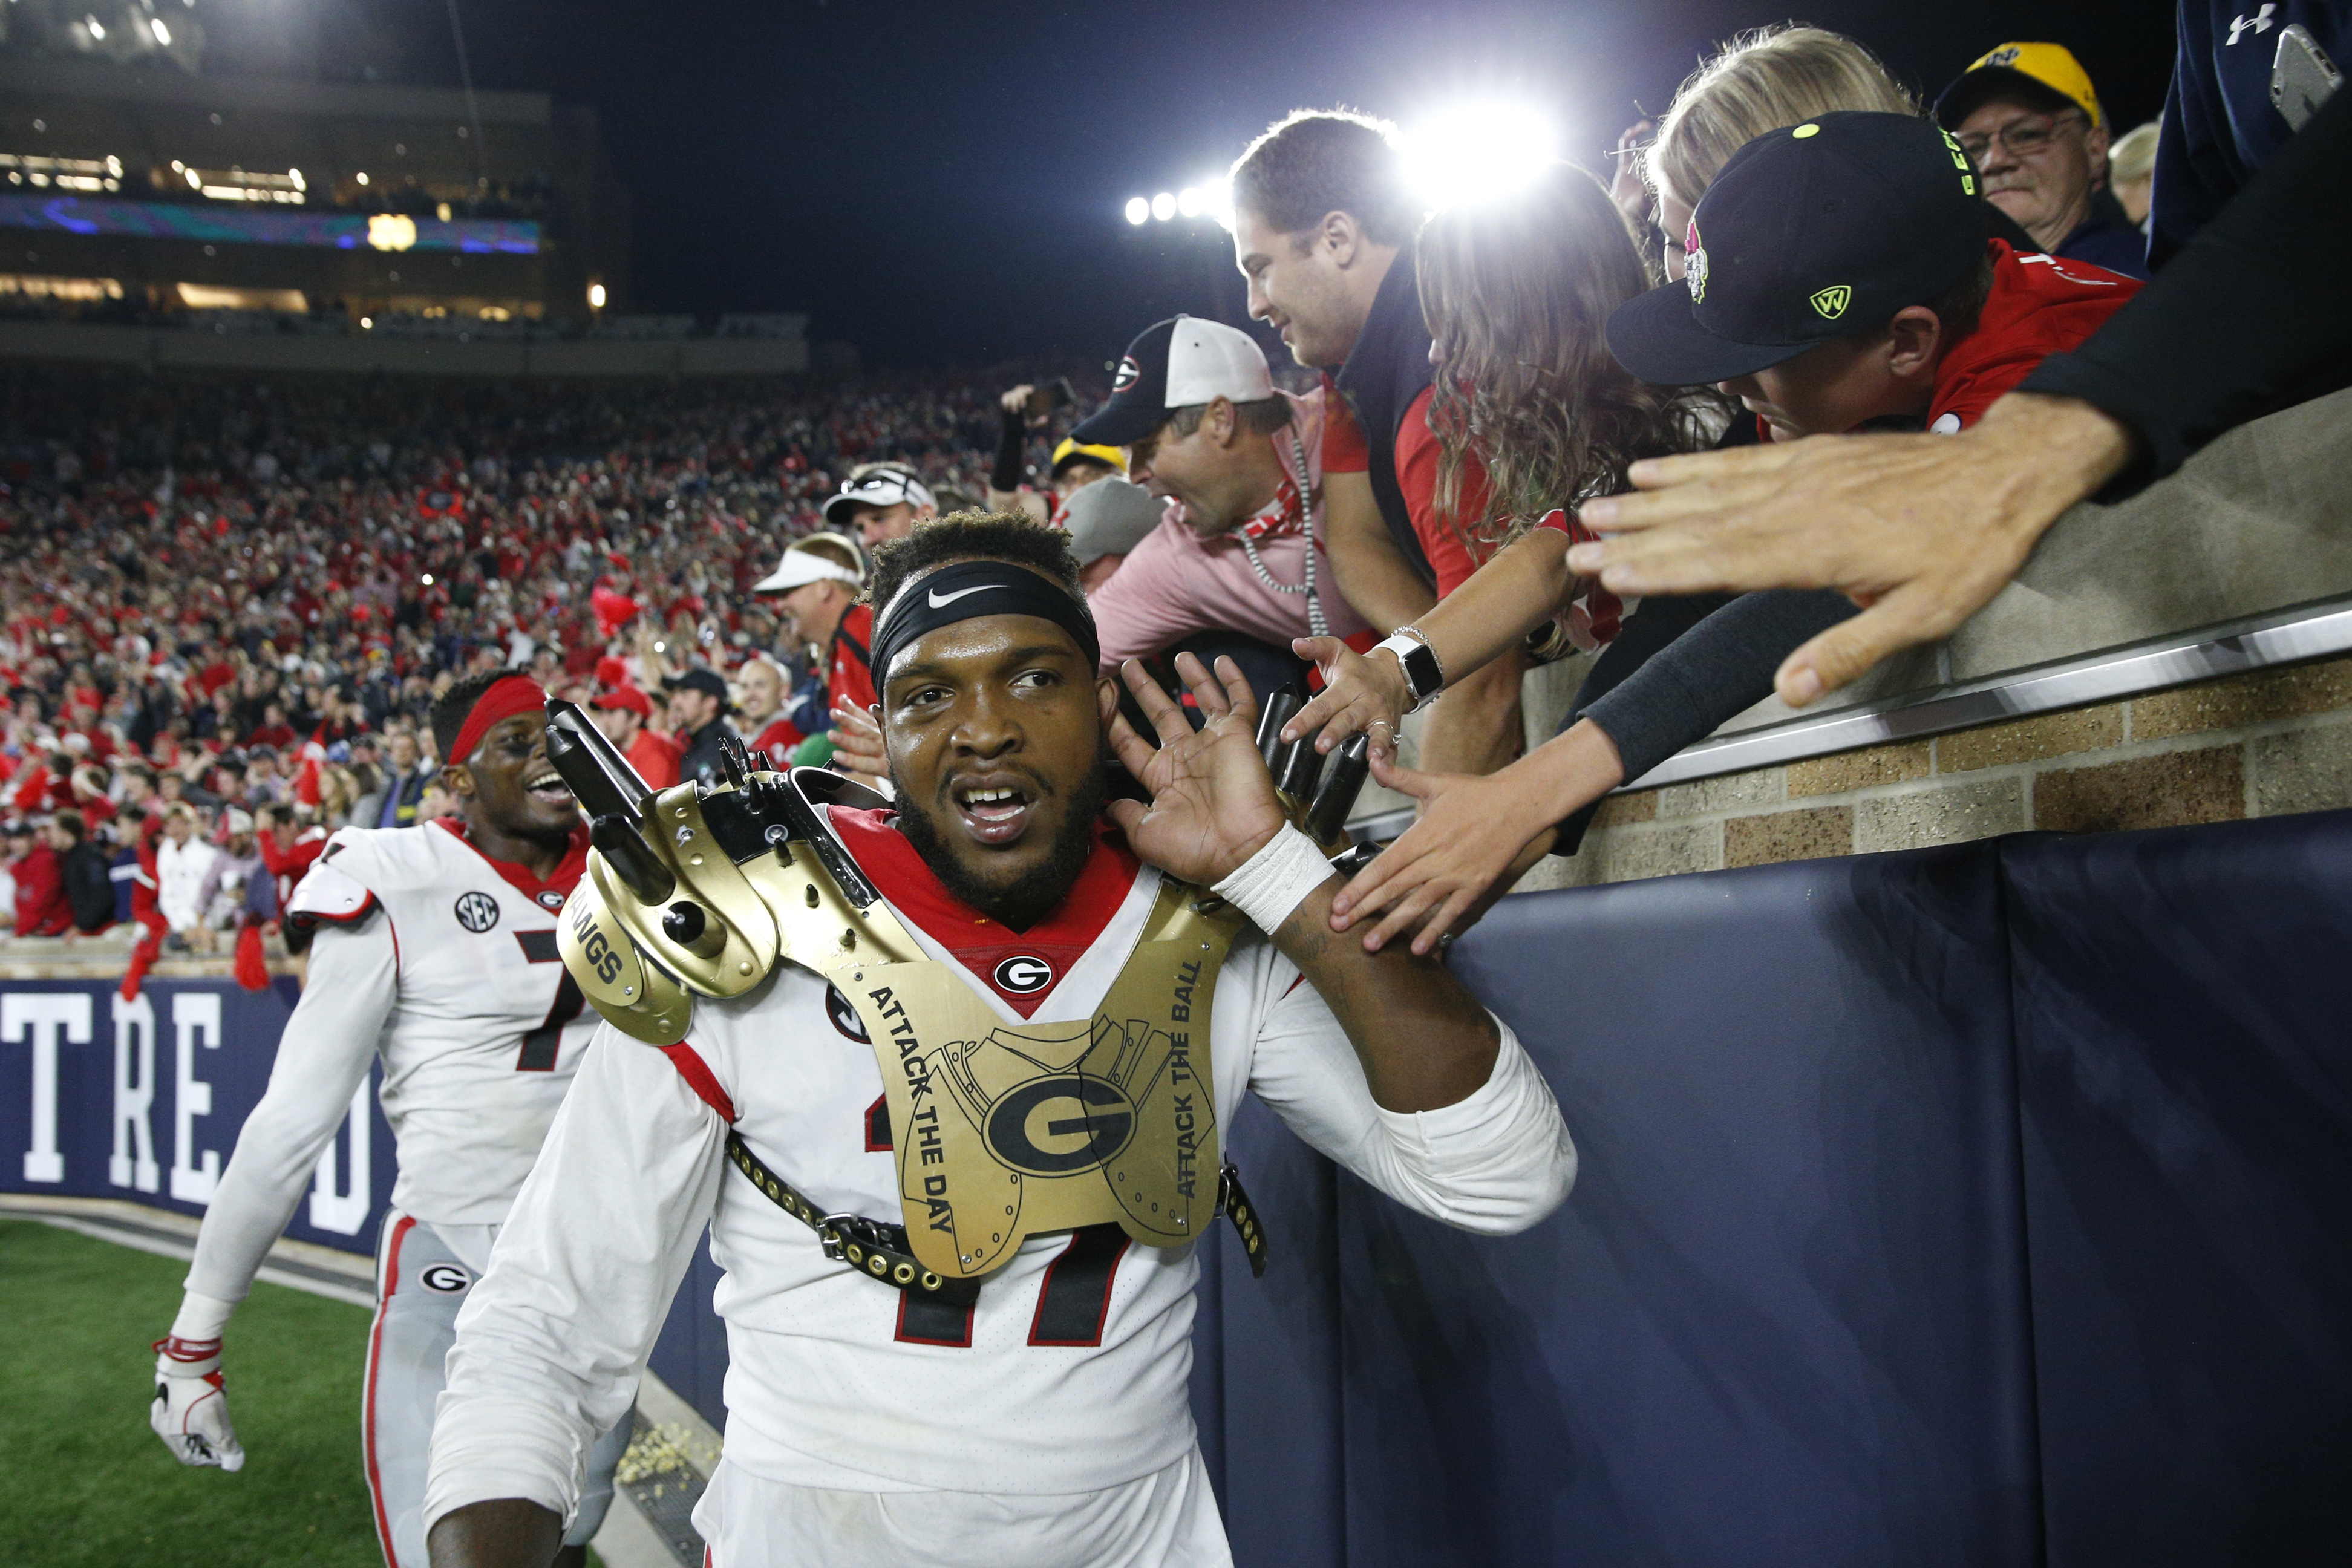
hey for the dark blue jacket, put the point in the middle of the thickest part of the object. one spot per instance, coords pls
(2108, 238)
(2220, 128)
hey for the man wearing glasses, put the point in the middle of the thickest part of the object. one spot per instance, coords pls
(2027, 116)
(881, 501)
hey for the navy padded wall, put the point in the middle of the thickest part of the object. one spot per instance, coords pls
(1782, 1318)
(1277, 1349)
(2185, 1034)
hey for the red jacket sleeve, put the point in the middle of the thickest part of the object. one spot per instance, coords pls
(1345, 450)
(1450, 553)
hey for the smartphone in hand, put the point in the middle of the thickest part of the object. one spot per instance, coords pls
(1046, 396)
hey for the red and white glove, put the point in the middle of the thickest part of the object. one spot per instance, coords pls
(191, 1411)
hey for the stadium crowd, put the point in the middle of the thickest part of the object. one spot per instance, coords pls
(227, 605)
(234, 618)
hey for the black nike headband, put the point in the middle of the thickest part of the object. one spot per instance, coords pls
(966, 589)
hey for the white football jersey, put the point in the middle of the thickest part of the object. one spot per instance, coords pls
(1068, 1375)
(488, 1027)
(1075, 1349)
(442, 962)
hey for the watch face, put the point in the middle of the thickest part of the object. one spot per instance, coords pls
(1420, 670)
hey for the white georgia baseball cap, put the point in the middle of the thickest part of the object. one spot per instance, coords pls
(1177, 363)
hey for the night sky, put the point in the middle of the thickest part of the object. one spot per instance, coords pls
(942, 184)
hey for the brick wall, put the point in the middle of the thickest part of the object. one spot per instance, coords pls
(2265, 745)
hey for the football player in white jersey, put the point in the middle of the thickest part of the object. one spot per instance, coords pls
(1042, 1423)
(434, 948)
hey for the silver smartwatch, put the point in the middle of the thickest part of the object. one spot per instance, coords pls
(1424, 678)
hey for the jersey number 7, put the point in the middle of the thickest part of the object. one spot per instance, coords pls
(540, 1046)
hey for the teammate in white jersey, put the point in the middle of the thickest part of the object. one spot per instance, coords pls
(434, 948)
(1044, 1424)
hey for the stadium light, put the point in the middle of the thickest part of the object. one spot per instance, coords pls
(1209, 198)
(163, 32)
(361, 176)
(595, 296)
(97, 28)
(1217, 199)
(1477, 152)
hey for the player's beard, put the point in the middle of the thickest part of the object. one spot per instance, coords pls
(1029, 897)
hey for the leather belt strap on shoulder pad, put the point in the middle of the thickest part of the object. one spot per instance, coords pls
(1235, 1203)
(872, 1247)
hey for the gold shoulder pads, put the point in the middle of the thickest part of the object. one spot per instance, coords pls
(723, 928)
(634, 997)
(637, 964)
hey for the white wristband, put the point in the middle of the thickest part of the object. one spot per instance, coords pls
(202, 1317)
(1276, 879)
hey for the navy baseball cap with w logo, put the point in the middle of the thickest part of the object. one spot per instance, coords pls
(1822, 230)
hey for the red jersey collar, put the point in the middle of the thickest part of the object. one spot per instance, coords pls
(567, 870)
(1023, 967)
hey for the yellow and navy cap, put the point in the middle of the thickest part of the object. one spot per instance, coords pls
(1071, 451)
(2044, 74)
(1819, 231)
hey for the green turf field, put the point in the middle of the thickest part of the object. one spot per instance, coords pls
(82, 1481)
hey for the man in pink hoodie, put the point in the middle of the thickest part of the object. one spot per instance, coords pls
(1240, 466)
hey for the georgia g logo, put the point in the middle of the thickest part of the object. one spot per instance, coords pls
(446, 1277)
(1128, 374)
(1060, 1123)
(844, 1016)
(1023, 975)
(477, 912)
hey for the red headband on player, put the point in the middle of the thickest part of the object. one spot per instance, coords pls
(504, 698)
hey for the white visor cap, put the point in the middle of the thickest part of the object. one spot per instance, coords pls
(799, 568)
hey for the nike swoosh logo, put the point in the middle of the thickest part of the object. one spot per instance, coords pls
(940, 601)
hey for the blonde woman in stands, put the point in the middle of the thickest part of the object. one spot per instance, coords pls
(1759, 81)
(1680, 667)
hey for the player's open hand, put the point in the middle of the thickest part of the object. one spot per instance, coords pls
(190, 1413)
(1472, 842)
(1361, 692)
(1213, 803)
(1920, 531)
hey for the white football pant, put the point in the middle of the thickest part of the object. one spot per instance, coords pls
(1166, 1519)
(419, 1286)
